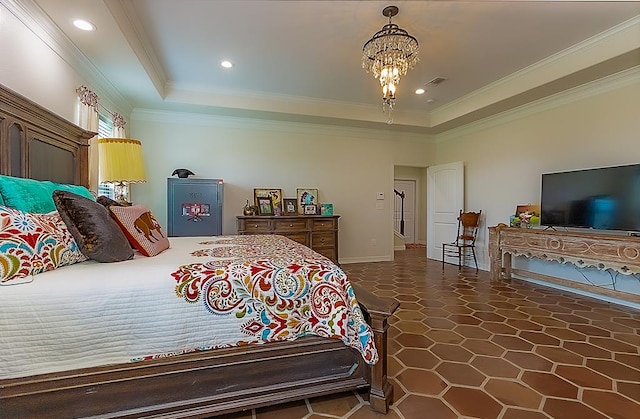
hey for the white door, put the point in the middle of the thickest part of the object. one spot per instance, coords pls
(409, 189)
(445, 199)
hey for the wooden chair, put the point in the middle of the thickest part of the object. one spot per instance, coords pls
(463, 247)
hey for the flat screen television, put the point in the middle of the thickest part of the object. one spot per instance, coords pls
(606, 198)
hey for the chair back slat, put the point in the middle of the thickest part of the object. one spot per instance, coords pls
(468, 223)
(464, 244)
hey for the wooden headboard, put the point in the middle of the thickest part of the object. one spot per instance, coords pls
(38, 144)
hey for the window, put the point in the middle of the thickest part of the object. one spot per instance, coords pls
(105, 129)
(105, 126)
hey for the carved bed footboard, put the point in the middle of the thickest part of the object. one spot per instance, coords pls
(210, 383)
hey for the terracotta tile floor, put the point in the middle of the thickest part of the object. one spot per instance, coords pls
(463, 347)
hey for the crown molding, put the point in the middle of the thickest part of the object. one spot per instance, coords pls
(396, 133)
(125, 16)
(272, 125)
(182, 93)
(594, 88)
(37, 21)
(613, 42)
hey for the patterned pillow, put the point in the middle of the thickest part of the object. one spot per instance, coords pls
(90, 224)
(34, 243)
(141, 228)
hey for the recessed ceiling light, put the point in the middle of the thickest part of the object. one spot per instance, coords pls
(84, 25)
(419, 91)
(226, 64)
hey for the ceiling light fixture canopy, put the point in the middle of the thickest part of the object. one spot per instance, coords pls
(388, 55)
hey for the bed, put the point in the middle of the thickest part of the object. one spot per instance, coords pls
(204, 378)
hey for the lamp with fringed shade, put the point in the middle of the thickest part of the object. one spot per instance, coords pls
(121, 163)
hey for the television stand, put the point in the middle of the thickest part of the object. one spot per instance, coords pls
(583, 249)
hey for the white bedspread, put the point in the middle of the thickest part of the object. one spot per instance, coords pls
(92, 314)
(39, 321)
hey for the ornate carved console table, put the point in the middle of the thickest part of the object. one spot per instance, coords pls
(601, 251)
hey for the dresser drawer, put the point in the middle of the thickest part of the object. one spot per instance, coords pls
(255, 226)
(328, 252)
(289, 225)
(324, 224)
(318, 233)
(322, 240)
(302, 238)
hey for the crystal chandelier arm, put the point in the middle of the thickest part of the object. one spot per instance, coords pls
(388, 55)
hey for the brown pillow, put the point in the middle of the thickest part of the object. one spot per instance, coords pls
(107, 202)
(92, 227)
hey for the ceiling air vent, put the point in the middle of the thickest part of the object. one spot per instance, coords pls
(436, 81)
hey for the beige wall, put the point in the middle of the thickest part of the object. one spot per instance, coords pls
(348, 166)
(504, 158)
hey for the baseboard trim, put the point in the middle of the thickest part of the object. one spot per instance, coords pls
(346, 261)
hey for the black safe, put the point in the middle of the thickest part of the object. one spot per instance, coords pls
(194, 207)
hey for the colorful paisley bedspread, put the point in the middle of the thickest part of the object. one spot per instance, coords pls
(283, 289)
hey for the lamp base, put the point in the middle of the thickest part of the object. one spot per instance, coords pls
(121, 193)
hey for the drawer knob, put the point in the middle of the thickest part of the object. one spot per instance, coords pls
(290, 225)
(255, 226)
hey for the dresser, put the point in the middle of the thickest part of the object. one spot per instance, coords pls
(320, 233)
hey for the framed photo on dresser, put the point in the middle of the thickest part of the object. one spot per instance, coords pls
(274, 194)
(306, 197)
(310, 209)
(290, 206)
(265, 206)
(326, 209)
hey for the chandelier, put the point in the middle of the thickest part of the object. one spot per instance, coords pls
(388, 55)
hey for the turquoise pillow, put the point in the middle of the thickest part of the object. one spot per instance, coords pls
(34, 196)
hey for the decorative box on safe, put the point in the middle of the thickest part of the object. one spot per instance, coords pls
(194, 207)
